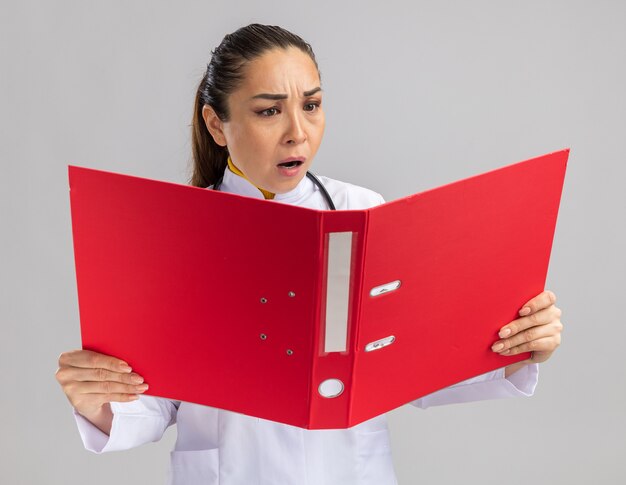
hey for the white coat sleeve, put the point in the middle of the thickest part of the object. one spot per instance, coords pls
(134, 423)
(492, 385)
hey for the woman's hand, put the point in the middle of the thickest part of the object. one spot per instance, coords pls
(91, 381)
(537, 331)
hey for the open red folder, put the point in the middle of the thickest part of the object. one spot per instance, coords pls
(318, 319)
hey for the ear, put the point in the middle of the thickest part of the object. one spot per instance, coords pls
(214, 125)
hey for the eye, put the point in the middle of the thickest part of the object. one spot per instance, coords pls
(311, 106)
(268, 112)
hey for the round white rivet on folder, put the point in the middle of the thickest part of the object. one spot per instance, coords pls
(331, 388)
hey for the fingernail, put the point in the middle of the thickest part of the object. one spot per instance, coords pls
(524, 311)
(505, 352)
(142, 388)
(133, 397)
(136, 379)
(497, 347)
(125, 367)
(505, 332)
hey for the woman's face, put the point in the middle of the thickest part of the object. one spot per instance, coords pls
(276, 120)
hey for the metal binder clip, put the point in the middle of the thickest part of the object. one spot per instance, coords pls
(386, 288)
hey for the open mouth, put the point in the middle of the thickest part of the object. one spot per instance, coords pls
(291, 164)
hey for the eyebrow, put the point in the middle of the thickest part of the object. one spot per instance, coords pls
(276, 97)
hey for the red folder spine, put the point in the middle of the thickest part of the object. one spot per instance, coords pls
(332, 369)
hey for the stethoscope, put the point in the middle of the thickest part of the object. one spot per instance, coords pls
(311, 177)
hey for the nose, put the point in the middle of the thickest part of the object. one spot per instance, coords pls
(294, 131)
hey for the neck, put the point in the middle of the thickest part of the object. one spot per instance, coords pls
(267, 194)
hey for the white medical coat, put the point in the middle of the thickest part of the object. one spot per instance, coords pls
(222, 447)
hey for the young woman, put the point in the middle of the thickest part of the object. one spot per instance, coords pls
(257, 125)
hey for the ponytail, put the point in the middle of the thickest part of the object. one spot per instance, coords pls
(210, 159)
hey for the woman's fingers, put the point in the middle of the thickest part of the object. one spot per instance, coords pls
(67, 374)
(542, 300)
(88, 359)
(524, 339)
(108, 387)
(541, 348)
(537, 331)
(541, 317)
(90, 380)
(89, 397)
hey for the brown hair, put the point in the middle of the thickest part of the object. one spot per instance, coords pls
(224, 74)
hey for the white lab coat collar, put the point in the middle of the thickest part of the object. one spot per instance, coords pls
(238, 185)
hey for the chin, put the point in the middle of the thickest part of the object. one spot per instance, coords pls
(288, 185)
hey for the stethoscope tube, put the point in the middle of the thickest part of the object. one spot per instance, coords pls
(320, 185)
(311, 177)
